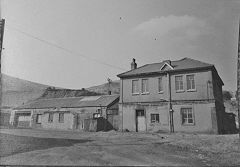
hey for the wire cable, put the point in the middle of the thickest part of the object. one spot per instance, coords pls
(62, 48)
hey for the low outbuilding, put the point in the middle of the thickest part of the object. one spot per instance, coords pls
(89, 113)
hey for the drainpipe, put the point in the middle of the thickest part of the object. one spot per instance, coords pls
(170, 104)
(122, 104)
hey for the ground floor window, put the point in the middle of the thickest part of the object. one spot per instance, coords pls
(187, 116)
(50, 117)
(39, 118)
(154, 118)
(61, 117)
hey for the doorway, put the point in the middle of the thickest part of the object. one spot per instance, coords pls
(140, 121)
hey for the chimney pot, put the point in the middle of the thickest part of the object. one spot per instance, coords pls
(133, 64)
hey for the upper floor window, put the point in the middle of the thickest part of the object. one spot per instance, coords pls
(135, 87)
(190, 82)
(61, 117)
(50, 117)
(187, 116)
(145, 86)
(179, 83)
(160, 85)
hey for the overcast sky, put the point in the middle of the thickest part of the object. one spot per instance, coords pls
(76, 44)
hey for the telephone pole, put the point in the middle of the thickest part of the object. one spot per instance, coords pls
(2, 23)
(238, 80)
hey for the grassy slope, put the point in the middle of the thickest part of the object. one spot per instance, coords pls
(17, 91)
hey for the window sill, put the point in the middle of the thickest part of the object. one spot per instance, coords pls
(180, 91)
(191, 90)
(161, 92)
(145, 93)
(155, 123)
(134, 94)
(192, 124)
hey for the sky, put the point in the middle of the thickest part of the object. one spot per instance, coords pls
(80, 43)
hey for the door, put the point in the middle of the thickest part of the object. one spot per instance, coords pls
(140, 121)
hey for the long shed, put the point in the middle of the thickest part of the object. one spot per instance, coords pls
(90, 113)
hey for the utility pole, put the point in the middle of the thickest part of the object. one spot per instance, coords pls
(109, 86)
(238, 80)
(2, 24)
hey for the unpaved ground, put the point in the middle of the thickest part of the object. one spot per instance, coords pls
(112, 148)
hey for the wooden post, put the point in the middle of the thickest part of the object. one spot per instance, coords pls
(238, 81)
(2, 24)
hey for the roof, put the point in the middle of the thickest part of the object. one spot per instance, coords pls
(71, 102)
(179, 65)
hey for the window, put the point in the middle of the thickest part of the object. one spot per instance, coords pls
(135, 87)
(140, 113)
(145, 86)
(160, 85)
(154, 118)
(50, 117)
(39, 118)
(179, 83)
(61, 117)
(190, 82)
(187, 116)
(98, 113)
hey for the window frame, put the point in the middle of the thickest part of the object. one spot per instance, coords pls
(147, 86)
(50, 120)
(190, 90)
(193, 116)
(161, 84)
(37, 119)
(138, 92)
(59, 118)
(155, 118)
(179, 90)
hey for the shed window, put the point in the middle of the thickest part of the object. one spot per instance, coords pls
(187, 116)
(190, 82)
(50, 117)
(179, 83)
(135, 87)
(154, 118)
(61, 117)
(96, 115)
(39, 118)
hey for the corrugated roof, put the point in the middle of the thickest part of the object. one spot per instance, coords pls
(70, 102)
(183, 64)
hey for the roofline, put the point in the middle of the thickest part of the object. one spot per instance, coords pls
(168, 71)
(18, 108)
(58, 107)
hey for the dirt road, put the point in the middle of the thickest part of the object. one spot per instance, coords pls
(102, 148)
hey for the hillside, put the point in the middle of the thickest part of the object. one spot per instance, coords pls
(17, 91)
(103, 89)
(60, 93)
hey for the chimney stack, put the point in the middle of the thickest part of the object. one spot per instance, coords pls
(133, 64)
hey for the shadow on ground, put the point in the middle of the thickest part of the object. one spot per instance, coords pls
(11, 144)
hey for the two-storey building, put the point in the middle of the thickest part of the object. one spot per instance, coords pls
(183, 95)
